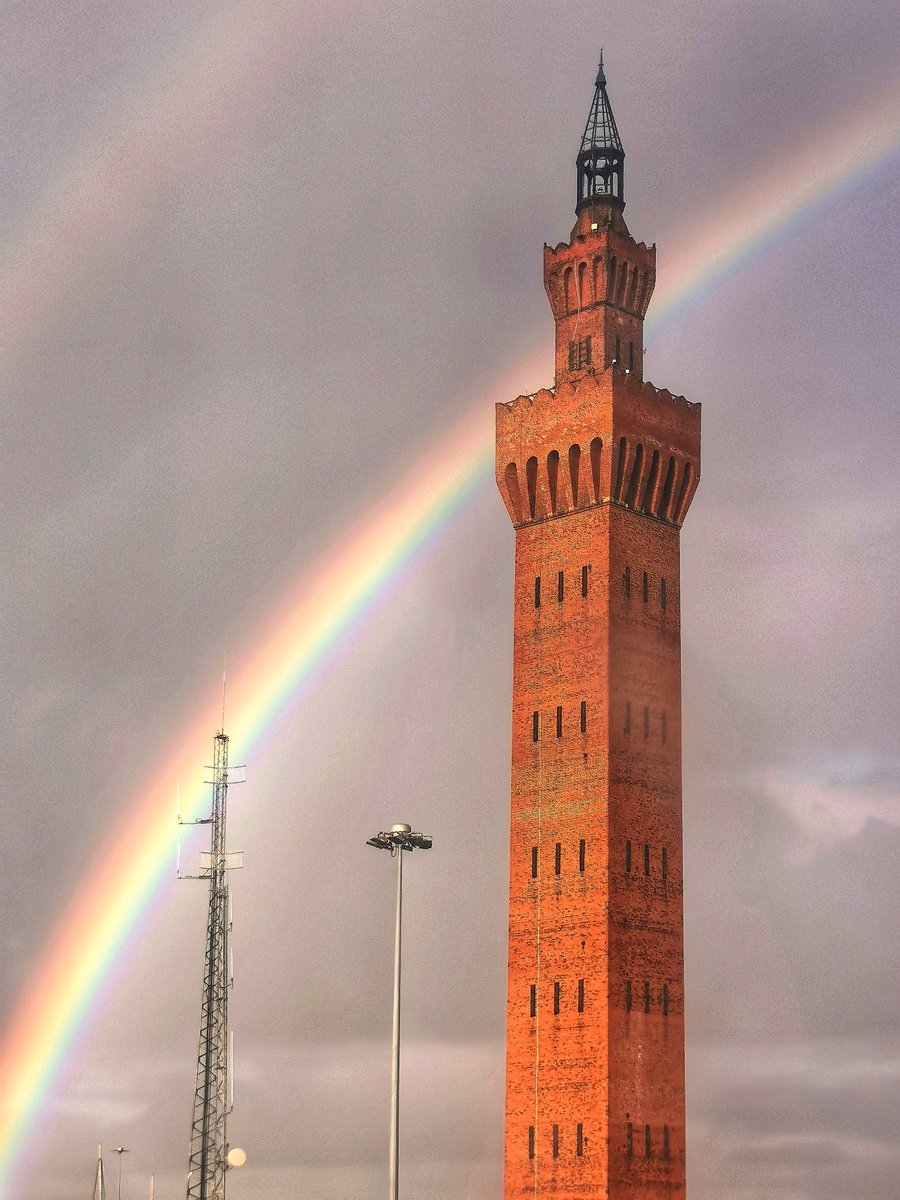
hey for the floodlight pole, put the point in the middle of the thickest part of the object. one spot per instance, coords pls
(395, 1072)
(397, 839)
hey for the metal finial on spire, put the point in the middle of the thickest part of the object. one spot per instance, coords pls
(601, 160)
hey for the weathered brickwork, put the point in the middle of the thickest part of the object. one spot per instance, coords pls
(597, 475)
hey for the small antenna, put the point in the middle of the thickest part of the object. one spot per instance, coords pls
(224, 675)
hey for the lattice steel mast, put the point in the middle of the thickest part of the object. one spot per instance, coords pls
(212, 1099)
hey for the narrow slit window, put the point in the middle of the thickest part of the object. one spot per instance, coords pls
(584, 580)
(531, 1141)
(573, 355)
(663, 727)
(587, 351)
(584, 716)
(665, 999)
(581, 850)
(618, 357)
(646, 996)
(628, 716)
(534, 862)
(629, 1140)
(560, 585)
(646, 858)
(665, 1142)
(626, 581)
(648, 1145)
(662, 593)
(579, 1140)
(556, 1141)
(628, 857)
(533, 1000)
(646, 721)
(628, 995)
(535, 726)
(665, 864)
(557, 866)
(537, 591)
(559, 720)
(581, 995)
(646, 585)
(631, 356)
(556, 999)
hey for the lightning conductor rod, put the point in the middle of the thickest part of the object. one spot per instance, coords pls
(208, 1162)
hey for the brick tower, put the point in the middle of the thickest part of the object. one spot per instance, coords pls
(597, 475)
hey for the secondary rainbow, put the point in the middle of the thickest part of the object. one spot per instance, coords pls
(334, 596)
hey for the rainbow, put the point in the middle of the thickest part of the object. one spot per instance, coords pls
(335, 595)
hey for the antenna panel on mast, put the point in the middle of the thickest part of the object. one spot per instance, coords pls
(232, 860)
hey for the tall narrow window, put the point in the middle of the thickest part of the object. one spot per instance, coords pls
(628, 857)
(631, 356)
(665, 864)
(537, 591)
(574, 467)
(665, 1144)
(646, 721)
(665, 999)
(531, 481)
(584, 579)
(629, 1139)
(628, 716)
(646, 858)
(579, 1140)
(552, 477)
(646, 996)
(556, 1141)
(663, 727)
(534, 862)
(531, 1141)
(647, 1142)
(618, 358)
(581, 995)
(573, 356)
(596, 457)
(584, 716)
(533, 1000)
(587, 351)
(581, 849)
(646, 582)
(556, 999)
(628, 995)
(535, 726)
(560, 584)
(558, 860)
(626, 581)
(559, 720)
(662, 593)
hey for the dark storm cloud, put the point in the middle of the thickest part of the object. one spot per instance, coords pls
(223, 379)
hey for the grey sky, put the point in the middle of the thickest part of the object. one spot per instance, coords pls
(292, 280)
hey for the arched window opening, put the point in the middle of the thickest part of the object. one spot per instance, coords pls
(531, 481)
(511, 476)
(611, 279)
(620, 282)
(620, 467)
(574, 467)
(683, 491)
(632, 289)
(652, 478)
(553, 476)
(636, 471)
(567, 289)
(596, 452)
(596, 277)
(583, 297)
(667, 490)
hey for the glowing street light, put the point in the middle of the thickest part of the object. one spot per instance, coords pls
(397, 839)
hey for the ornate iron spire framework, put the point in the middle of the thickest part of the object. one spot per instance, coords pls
(212, 1100)
(601, 160)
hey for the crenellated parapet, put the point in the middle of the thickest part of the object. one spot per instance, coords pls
(606, 439)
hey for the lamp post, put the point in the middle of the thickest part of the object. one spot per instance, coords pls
(397, 839)
(120, 1150)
